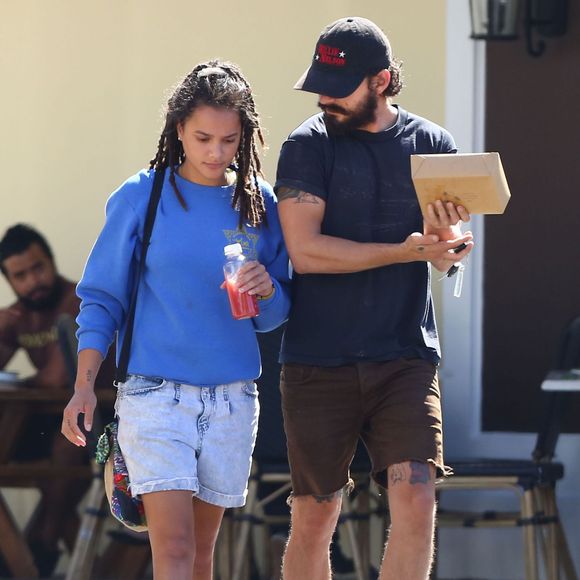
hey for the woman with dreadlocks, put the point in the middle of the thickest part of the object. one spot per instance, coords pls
(188, 410)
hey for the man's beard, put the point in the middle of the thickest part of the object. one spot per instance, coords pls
(355, 119)
(48, 301)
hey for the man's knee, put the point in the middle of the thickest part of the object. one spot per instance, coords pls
(315, 516)
(412, 492)
(419, 498)
(414, 517)
(421, 503)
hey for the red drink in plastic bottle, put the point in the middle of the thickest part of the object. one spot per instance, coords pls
(243, 305)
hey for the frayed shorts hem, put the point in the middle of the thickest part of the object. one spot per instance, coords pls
(441, 470)
(220, 499)
(176, 484)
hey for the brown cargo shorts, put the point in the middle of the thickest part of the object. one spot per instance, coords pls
(393, 406)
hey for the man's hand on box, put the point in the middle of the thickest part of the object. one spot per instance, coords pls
(444, 219)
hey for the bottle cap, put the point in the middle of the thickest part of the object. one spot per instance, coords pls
(233, 249)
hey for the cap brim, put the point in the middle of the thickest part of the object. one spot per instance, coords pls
(329, 83)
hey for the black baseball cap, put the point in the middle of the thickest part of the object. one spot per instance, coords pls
(347, 51)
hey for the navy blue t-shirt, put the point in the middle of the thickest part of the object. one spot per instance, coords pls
(365, 179)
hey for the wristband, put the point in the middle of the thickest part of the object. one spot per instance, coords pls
(269, 295)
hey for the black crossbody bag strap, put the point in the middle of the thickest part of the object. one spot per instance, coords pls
(121, 374)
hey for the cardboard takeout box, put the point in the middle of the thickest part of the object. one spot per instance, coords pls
(474, 180)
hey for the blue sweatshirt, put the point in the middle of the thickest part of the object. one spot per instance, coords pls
(184, 330)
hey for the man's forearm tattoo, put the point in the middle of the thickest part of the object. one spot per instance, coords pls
(298, 195)
(90, 376)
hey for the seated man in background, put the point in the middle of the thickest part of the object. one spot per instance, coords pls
(27, 262)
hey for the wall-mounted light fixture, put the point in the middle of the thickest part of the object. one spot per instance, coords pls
(498, 20)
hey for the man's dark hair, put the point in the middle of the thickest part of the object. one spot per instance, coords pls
(18, 239)
(396, 84)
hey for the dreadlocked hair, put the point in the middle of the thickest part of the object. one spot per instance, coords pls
(218, 84)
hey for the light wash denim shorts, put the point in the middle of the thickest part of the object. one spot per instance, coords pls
(182, 437)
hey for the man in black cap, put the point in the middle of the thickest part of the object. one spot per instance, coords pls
(360, 350)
